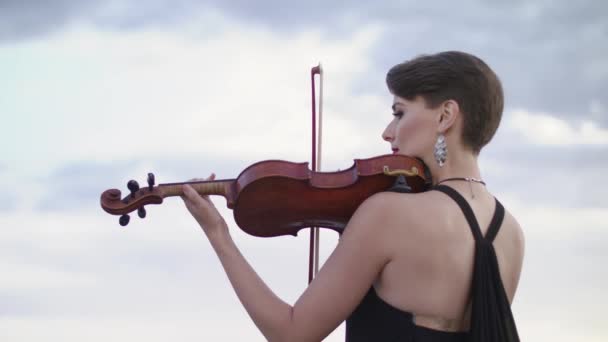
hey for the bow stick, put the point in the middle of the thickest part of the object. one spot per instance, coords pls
(313, 259)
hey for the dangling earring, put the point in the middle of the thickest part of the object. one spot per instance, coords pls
(441, 150)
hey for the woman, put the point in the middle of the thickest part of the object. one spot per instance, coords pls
(411, 267)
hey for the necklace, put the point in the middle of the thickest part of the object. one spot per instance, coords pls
(471, 180)
(467, 179)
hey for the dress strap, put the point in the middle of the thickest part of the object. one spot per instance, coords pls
(499, 214)
(491, 316)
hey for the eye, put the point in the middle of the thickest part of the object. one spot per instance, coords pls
(398, 114)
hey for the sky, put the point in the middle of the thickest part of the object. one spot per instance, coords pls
(95, 93)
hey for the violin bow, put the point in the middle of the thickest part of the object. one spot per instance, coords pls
(313, 259)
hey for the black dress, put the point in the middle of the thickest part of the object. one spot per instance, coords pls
(491, 317)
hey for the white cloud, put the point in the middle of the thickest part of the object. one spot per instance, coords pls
(240, 92)
(83, 270)
(564, 248)
(556, 222)
(545, 129)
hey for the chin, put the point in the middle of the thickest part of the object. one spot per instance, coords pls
(408, 153)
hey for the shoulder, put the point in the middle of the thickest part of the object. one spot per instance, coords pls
(511, 233)
(515, 236)
(382, 205)
(377, 229)
(409, 205)
(385, 202)
(510, 248)
(390, 211)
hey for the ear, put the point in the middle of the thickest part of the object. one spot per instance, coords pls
(449, 113)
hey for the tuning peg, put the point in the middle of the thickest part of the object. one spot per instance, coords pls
(133, 187)
(141, 212)
(124, 220)
(150, 181)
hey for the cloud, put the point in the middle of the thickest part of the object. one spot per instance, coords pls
(113, 107)
(562, 253)
(151, 93)
(7, 201)
(528, 159)
(550, 56)
(547, 55)
(545, 129)
(73, 267)
(27, 19)
(9, 189)
(75, 187)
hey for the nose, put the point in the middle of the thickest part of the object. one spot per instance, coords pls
(387, 134)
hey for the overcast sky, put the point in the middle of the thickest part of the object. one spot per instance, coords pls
(95, 93)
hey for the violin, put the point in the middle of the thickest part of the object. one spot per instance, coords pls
(274, 197)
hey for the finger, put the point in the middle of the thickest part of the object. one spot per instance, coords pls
(190, 194)
(211, 177)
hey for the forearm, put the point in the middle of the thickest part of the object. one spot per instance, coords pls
(333, 295)
(270, 314)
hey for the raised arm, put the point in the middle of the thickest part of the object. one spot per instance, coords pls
(338, 288)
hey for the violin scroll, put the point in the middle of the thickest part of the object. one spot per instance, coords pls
(113, 203)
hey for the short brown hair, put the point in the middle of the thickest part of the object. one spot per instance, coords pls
(458, 76)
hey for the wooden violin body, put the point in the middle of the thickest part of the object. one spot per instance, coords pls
(274, 197)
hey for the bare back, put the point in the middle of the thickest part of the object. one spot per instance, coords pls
(432, 249)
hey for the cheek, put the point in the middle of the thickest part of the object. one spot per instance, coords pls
(413, 137)
(407, 130)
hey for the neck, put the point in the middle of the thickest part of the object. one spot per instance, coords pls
(458, 164)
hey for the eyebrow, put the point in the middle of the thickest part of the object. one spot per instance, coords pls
(394, 106)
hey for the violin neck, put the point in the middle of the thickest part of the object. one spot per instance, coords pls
(218, 187)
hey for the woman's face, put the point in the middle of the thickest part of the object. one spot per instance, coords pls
(413, 130)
